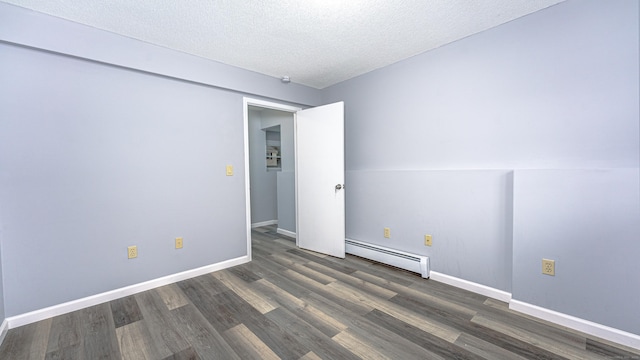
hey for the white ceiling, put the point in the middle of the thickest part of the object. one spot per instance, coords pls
(316, 42)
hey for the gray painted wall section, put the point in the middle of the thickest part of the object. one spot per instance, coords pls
(554, 89)
(95, 159)
(466, 212)
(557, 89)
(588, 221)
(29, 28)
(286, 201)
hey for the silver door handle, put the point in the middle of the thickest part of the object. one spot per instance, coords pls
(339, 186)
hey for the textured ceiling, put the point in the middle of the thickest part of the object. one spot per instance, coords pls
(316, 42)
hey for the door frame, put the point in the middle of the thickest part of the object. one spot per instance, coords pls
(246, 102)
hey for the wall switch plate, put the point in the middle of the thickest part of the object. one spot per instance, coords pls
(387, 232)
(229, 170)
(179, 243)
(549, 267)
(132, 252)
(428, 240)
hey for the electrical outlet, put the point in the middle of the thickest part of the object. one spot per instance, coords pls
(387, 233)
(428, 240)
(229, 170)
(549, 267)
(179, 243)
(132, 252)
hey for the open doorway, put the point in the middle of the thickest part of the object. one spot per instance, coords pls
(270, 149)
(272, 169)
(318, 210)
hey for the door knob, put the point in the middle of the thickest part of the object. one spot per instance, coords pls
(339, 186)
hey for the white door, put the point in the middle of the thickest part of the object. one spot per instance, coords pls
(320, 223)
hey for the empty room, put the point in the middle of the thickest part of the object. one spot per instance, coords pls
(320, 179)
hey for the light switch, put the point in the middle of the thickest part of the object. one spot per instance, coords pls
(229, 170)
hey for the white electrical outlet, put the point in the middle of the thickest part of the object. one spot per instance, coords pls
(132, 252)
(549, 267)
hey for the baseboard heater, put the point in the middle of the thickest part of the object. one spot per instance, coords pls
(397, 258)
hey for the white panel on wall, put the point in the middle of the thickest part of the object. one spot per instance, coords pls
(588, 221)
(468, 213)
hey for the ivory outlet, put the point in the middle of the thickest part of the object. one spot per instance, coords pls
(387, 232)
(549, 267)
(428, 240)
(229, 170)
(179, 243)
(132, 252)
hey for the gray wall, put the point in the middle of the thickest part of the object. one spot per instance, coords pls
(588, 221)
(488, 144)
(464, 210)
(286, 200)
(127, 148)
(96, 159)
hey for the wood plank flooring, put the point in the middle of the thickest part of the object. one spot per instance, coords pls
(293, 304)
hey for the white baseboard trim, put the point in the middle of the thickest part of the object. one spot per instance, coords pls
(588, 327)
(471, 286)
(286, 232)
(4, 328)
(572, 322)
(264, 223)
(37, 315)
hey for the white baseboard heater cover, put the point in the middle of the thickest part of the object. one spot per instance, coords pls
(397, 258)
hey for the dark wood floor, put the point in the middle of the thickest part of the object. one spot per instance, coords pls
(293, 304)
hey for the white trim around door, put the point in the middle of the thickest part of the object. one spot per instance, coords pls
(246, 102)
